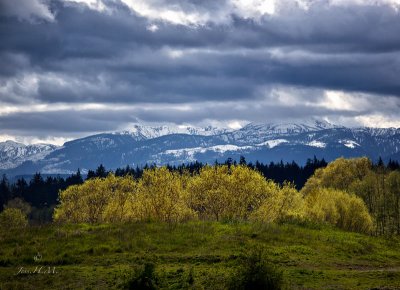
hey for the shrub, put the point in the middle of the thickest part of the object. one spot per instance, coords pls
(144, 279)
(42, 215)
(256, 273)
(13, 218)
(19, 204)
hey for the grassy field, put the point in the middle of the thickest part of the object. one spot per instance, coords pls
(196, 255)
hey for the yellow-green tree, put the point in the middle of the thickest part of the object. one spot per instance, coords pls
(98, 200)
(339, 174)
(239, 193)
(12, 218)
(121, 205)
(367, 189)
(162, 197)
(339, 208)
(393, 186)
(208, 192)
(248, 190)
(283, 204)
(378, 187)
(95, 197)
(71, 207)
(227, 192)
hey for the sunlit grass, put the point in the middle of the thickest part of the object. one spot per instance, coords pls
(105, 256)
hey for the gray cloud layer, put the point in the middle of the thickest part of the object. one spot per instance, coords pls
(59, 52)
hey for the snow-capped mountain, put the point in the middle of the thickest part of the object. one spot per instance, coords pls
(141, 132)
(174, 145)
(13, 153)
(255, 133)
(288, 128)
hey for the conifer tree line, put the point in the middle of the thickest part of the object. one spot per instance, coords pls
(39, 194)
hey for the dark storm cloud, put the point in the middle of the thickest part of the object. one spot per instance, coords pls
(102, 119)
(250, 112)
(202, 77)
(73, 54)
(12, 63)
(95, 43)
(70, 121)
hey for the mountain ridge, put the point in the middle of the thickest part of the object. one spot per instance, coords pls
(14, 153)
(174, 145)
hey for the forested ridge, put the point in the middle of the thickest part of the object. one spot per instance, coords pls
(42, 192)
(353, 194)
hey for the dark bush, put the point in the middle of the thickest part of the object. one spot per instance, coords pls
(255, 273)
(143, 279)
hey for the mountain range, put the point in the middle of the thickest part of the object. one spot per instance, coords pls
(175, 145)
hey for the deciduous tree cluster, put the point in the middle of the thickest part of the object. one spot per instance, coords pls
(220, 192)
(376, 185)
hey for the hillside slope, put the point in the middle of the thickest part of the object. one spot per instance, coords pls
(105, 256)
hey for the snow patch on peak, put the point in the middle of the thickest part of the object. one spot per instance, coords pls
(189, 153)
(349, 143)
(289, 128)
(317, 144)
(217, 148)
(9, 145)
(150, 132)
(273, 143)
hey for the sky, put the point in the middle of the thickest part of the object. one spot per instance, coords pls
(72, 68)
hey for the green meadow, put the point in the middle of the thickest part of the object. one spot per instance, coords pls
(194, 255)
